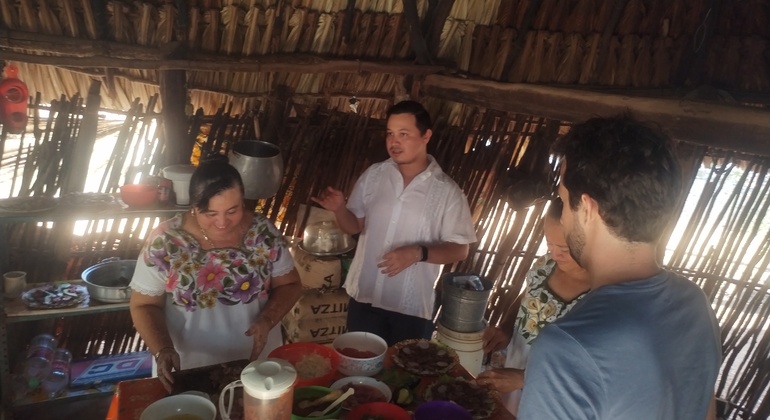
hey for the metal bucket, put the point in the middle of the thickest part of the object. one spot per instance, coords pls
(464, 301)
(261, 167)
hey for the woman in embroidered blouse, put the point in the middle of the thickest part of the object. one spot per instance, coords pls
(554, 284)
(212, 284)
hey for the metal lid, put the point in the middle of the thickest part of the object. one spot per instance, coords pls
(267, 379)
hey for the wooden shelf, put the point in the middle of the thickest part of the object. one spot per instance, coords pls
(17, 311)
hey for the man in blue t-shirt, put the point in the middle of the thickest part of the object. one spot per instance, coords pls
(644, 343)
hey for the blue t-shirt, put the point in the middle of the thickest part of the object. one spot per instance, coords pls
(646, 349)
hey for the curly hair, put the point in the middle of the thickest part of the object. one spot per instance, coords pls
(629, 168)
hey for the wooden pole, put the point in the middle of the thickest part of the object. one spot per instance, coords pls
(173, 94)
(742, 129)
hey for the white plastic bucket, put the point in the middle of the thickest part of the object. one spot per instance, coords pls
(468, 346)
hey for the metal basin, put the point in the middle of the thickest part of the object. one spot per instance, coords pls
(108, 281)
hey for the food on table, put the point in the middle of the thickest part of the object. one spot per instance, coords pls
(55, 295)
(313, 400)
(478, 400)
(313, 366)
(424, 357)
(358, 354)
(373, 417)
(363, 394)
(404, 396)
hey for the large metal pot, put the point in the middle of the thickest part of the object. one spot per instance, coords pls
(261, 167)
(108, 281)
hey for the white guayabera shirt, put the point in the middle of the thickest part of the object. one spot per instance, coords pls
(431, 209)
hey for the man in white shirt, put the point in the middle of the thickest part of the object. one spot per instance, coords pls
(412, 219)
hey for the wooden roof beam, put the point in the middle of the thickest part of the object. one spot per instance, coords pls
(419, 46)
(743, 129)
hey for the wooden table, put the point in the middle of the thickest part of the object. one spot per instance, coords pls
(133, 396)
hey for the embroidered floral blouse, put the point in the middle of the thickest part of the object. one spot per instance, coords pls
(540, 306)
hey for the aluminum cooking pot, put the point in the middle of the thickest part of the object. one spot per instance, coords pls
(108, 281)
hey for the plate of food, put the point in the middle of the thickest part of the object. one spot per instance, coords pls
(424, 357)
(477, 399)
(54, 296)
(367, 390)
(27, 204)
(87, 200)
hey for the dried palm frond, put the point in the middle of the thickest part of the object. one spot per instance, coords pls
(165, 30)
(581, 18)
(754, 71)
(460, 10)
(144, 25)
(324, 35)
(232, 20)
(392, 34)
(552, 58)
(8, 14)
(67, 17)
(538, 56)
(48, 19)
(730, 62)
(295, 25)
(661, 62)
(480, 42)
(193, 34)
(626, 60)
(602, 16)
(559, 14)
(593, 43)
(506, 13)
(681, 45)
(210, 39)
(267, 33)
(651, 21)
(119, 22)
(27, 16)
(572, 59)
(309, 29)
(519, 70)
(485, 11)
(377, 33)
(632, 15)
(757, 17)
(543, 15)
(642, 73)
(251, 38)
(451, 37)
(362, 34)
(466, 46)
(504, 48)
(692, 15)
(490, 52)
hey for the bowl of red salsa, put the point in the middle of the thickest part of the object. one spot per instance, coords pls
(360, 353)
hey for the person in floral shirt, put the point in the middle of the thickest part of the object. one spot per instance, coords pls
(554, 285)
(212, 284)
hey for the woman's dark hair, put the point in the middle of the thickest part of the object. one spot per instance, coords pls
(210, 179)
(629, 168)
(421, 115)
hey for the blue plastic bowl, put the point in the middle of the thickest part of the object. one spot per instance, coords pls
(441, 410)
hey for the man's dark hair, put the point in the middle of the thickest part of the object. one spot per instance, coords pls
(210, 179)
(629, 168)
(422, 116)
(554, 209)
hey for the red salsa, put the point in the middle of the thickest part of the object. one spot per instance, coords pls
(358, 354)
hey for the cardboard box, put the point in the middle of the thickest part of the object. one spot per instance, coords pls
(317, 304)
(322, 330)
(323, 273)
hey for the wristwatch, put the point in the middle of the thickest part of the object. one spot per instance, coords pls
(424, 250)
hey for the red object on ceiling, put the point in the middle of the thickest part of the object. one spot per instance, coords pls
(13, 101)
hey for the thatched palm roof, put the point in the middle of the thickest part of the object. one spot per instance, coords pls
(238, 51)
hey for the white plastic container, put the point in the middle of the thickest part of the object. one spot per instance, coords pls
(468, 346)
(180, 177)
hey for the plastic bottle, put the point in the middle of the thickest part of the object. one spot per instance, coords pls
(59, 376)
(39, 357)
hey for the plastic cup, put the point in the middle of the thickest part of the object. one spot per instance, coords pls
(14, 282)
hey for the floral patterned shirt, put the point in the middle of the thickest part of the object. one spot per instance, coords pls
(199, 279)
(540, 306)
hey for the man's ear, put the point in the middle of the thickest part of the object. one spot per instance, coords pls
(589, 208)
(427, 135)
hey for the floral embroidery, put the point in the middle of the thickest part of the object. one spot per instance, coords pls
(198, 278)
(540, 306)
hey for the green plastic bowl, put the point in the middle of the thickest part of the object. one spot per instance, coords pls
(312, 392)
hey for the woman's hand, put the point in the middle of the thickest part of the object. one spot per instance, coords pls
(495, 339)
(502, 380)
(167, 359)
(258, 332)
